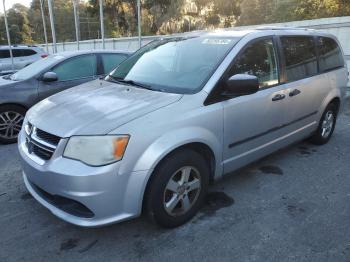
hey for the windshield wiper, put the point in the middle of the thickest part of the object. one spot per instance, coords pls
(130, 82)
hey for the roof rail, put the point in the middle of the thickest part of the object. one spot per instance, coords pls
(283, 28)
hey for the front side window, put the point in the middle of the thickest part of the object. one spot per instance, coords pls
(111, 61)
(176, 65)
(300, 57)
(76, 68)
(259, 59)
(330, 54)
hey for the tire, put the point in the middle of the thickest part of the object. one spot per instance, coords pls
(326, 126)
(11, 120)
(171, 199)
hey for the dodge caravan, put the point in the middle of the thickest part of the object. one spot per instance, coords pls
(176, 115)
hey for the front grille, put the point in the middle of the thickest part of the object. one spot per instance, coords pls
(40, 143)
(52, 139)
(43, 153)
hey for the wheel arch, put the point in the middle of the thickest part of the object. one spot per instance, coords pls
(14, 104)
(200, 147)
(336, 101)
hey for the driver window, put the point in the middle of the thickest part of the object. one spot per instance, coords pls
(258, 59)
(76, 68)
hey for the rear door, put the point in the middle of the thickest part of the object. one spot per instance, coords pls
(18, 58)
(71, 72)
(306, 87)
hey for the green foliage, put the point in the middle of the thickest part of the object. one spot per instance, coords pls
(270, 11)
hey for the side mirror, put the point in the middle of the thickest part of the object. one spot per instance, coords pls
(241, 85)
(50, 77)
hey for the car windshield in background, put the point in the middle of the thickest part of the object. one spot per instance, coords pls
(175, 65)
(35, 68)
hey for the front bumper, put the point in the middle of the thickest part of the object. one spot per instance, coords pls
(108, 195)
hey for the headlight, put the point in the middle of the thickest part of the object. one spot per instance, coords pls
(96, 150)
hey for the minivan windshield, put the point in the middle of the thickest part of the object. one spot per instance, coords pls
(176, 65)
(35, 68)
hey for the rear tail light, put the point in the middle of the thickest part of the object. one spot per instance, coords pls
(44, 55)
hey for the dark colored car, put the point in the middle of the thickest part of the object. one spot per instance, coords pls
(23, 89)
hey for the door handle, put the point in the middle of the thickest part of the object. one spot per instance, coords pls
(294, 92)
(278, 97)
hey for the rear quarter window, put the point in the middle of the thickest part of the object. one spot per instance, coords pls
(330, 55)
(28, 52)
(300, 57)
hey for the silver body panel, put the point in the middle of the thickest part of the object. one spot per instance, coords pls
(238, 131)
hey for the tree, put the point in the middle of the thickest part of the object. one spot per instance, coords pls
(20, 30)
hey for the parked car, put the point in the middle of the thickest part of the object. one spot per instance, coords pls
(23, 56)
(21, 90)
(176, 115)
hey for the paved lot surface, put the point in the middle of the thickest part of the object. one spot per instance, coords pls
(291, 206)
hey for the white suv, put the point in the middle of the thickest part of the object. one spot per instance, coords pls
(22, 56)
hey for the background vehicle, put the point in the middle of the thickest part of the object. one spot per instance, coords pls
(177, 114)
(23, 56)
(21, 90)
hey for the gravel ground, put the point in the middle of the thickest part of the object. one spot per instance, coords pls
(291, 206)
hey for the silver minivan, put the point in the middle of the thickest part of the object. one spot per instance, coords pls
(175, 116)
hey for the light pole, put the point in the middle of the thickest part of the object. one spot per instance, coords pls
(76, 20)
(139, 21)
(52, 22)
(8, 35)
(44, 24)
(102, 24)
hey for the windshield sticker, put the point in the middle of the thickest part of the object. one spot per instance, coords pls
(215, 41)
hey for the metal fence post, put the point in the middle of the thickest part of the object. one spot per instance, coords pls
(44, 25)
(102, 24)
(76, 20)
(8, 35)
(52, 22)
(139, 21)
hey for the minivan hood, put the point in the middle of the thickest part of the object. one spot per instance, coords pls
(95, 108)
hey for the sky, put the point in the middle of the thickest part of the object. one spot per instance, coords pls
(10, 3)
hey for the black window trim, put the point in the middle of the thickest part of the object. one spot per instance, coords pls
(215, 95)
(73, 57)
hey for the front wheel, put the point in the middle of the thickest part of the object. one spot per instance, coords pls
(11, 120)
(326, 126)
(177, 188)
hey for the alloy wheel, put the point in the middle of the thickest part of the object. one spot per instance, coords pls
(327, 124)
(10, 124)
(182, 191)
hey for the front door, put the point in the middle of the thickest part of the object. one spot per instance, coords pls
(72, 72)
(253, 123)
